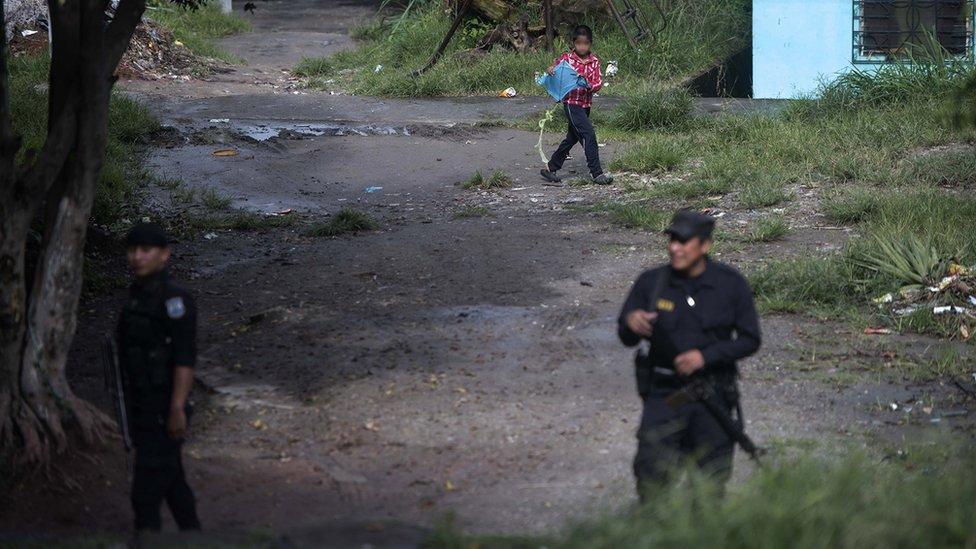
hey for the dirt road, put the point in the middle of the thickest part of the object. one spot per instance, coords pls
(442, 363)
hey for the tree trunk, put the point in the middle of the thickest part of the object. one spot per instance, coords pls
(38, 410)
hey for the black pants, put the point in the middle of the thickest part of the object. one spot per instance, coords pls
(580, 131)
(159, 477)
(669, 437)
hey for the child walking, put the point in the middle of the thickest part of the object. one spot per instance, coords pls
(576, 106)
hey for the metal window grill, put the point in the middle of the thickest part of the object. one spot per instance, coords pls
(888, 30)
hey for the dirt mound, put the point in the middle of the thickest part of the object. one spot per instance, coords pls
(154, 54)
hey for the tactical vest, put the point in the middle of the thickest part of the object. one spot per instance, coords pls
(144, 354)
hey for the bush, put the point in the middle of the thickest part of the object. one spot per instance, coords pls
(198, 29)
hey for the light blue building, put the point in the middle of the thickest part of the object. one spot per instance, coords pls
(798, 43)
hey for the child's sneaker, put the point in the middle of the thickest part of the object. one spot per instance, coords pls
(550, 176)
(603, 179)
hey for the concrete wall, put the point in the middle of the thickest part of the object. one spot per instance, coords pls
(795, 43)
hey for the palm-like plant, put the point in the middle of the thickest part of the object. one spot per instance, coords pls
(904, 256)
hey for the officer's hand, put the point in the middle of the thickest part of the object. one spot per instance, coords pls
(641, 322)
(689, 362)
(176, 426)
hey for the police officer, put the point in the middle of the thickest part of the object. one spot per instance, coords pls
(157, 353)
(699, 318)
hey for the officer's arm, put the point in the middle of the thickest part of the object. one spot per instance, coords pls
(184, 345)
(636, 299)
(746, 326)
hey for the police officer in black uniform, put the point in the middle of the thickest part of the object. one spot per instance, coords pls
(698, 317)
(157, 353)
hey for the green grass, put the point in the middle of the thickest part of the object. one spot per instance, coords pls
(199, 29)
(696, 35)
(213, 200)
(498, 180)
(636, 215)
(924, 499)
(657, 153)
(122, 183)
(769, 229)
(651, 107)
(345, 221)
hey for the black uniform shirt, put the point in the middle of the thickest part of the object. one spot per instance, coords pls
(173, 308)
(713, 312)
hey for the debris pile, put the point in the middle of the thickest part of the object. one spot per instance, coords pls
(153, 53)
(954, 294)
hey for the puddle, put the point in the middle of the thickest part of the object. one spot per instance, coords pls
(264, 132)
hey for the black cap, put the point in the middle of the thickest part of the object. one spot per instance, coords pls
(688, 224)
(147, 234)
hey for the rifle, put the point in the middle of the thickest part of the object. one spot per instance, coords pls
(114, 386)
(699, 389)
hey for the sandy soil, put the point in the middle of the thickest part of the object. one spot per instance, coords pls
(439, 364)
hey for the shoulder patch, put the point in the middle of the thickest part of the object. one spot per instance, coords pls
(175, 308)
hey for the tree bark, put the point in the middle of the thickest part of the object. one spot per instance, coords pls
(38, 410)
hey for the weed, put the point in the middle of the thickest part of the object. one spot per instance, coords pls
(344, 221)
(314, 67)
(183, 196)
(762, 193)
(906, 258)
(498, 180)
(769, 229)
(653, 107)
(656, 154)
(637, 215)
(849, 204)
(213, 200)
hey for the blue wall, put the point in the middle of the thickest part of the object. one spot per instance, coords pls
(795, 43)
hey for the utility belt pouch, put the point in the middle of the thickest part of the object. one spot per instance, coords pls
(644, 373)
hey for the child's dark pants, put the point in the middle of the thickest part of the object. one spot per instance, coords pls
(580, 131)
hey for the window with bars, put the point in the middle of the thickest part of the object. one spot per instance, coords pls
(888, 30)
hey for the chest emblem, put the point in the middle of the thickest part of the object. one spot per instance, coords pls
(665, 305)
(691, 301)
(175, 308)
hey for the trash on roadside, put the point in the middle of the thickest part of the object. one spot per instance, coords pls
(947, 309)
(370, 190)
(210, 236)
(876, 331)
(887, 298)
(508, 92)
(378, 68)
(286, 211)
(893, 406)
(611, 69)
(219, 120)
(225, 152)
(27, 32)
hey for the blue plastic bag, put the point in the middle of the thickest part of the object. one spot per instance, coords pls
(563, 80)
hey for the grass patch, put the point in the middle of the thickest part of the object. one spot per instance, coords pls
(849, 204)
(498, 180)
(923, 500)
(769, 229)
(466, 212)
(652, 155)
(239, 221)
(636, 215)
(762, 194)
(199, 29)
(345, 221)
(696, 35)
(121, 185)
(652, 107)
(213, 200)
(948, 169)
